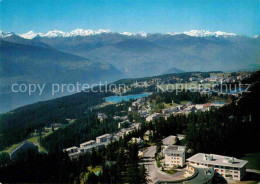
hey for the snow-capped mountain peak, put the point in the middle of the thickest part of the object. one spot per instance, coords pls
(203, 33)
(2, 34)
(29, 35)
(57, 33)
(87, 32)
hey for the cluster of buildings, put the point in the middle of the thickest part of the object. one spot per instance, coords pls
(100, 142)
(184, 110)
(143, 107)
(218, 78)
(227, 167)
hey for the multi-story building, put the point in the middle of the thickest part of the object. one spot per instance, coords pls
(103, 138)
(174, 155)
(88, 143)
(227, 167)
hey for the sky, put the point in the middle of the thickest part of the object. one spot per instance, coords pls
(150, 16)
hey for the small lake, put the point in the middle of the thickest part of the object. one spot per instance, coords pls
(117, 99)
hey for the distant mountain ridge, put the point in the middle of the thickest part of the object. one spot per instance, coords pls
(61, 57)
(141, 54)
(29, 63)
(90, 32)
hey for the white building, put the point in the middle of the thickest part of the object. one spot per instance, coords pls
(73, 149)
(130, 109)
(174, 156)
(228, 167)
(199, 106)
(88, 143)
(170, 140)
(170, 110)
(217, 105)
(154, 116)
(122, 118)
(138, 102)
(103, 138)
(147, 135)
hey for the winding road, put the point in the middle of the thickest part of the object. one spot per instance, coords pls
(153, 174)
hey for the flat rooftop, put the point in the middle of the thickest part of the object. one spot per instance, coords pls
(68, 149)
(102, 136)
(88, 142)
(169, 140)
(217, 160)
(174, 149)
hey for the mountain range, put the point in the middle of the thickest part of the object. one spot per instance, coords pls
(29, 62)
(91, 56)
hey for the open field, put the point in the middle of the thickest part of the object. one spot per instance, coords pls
(35, 139)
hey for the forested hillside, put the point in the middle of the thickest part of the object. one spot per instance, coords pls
(30, 62)
(231, 130)
(16, 125)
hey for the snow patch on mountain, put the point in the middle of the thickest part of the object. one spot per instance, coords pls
(142, 34)
(2, 34)
(203, 33)
(29, 35)
(57, 33)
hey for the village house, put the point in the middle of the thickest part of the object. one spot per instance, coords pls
(122, 118)
(101, 116)
(169, 110)
(147, 135)
(227, 167)
(138, 102)
(152, 117)
(200, 106)
(130, 109)
(144, 113)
